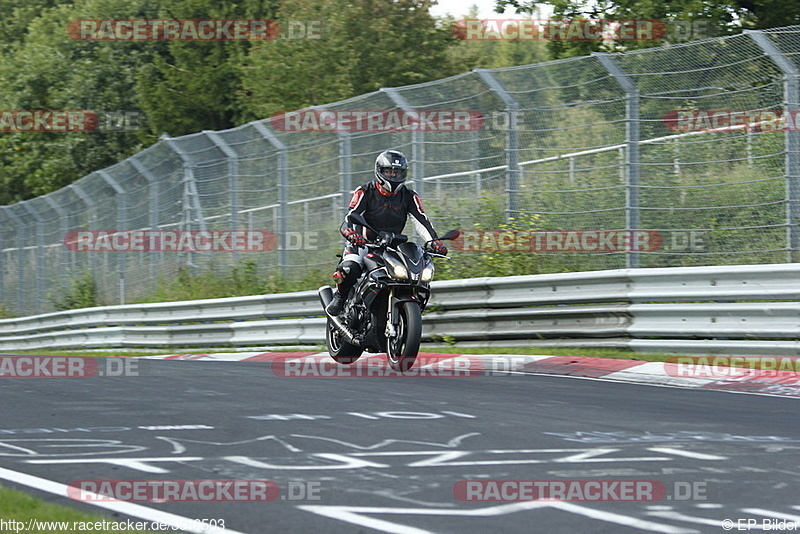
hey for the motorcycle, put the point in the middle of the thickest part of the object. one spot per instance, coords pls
(383, 312)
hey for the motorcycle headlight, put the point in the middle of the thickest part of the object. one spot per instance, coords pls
(400, 271)
(427, 274)
(397, 269)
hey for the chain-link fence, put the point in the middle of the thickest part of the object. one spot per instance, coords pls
(586, 162)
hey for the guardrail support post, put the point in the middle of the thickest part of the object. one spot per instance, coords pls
(512, 141)
(632, 139)
(791, 88)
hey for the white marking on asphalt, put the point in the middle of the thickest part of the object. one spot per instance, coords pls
(655, 372)
(589, 456)
(179, 448)
(687, 454)
(30, 452)
(456, 441)
(647, 374)
(137, 464)
(125, 508)
(67, 443)
(440, 458)
(677, 516)
(345, 463)
(353, 514)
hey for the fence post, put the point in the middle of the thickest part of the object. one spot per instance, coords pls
(791, 88)
(345, 170)
(191, 199)
(122, 219)
(92, 206)
(417, 142)
(512, 141)
(40, 294)
(63, 221)
(632, 139)
(233, 180)
(20, 258)
(233, 174)
(152, 216)
(2, 269)
(283, 191)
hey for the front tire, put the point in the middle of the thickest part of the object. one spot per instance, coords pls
(339, 349)
(403, 348)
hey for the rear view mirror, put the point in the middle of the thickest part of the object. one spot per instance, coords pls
(452, 234)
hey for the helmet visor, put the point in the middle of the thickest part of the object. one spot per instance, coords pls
(393, 174)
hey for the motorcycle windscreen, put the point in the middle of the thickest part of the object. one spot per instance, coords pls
(414, 253)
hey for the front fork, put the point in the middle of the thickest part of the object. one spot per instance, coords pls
(393, 310)
(393, 315)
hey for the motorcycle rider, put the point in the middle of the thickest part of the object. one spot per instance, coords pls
(385, 203)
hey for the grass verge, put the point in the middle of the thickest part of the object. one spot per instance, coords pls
(35, 516)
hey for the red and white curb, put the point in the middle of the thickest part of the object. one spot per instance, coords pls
(706, 374)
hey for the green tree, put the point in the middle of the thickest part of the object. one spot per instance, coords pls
(466, 55)
(684, 19)
(189, 86)
(47, 70)
(362, 46)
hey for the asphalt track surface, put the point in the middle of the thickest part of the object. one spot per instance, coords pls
(384, 454)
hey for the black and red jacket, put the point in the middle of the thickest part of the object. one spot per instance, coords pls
(388, 213)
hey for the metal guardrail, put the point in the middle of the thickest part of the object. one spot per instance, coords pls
(748, 309)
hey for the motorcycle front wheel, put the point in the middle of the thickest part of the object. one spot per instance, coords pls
(339, 349)
(403, 348)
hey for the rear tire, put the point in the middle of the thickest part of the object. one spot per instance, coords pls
(339, 349)
(402, 349)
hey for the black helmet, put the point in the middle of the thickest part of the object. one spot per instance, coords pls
(391, 168)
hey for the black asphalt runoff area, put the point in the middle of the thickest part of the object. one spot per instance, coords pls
(405, 454)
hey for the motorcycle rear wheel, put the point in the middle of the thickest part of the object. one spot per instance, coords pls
(339, 349)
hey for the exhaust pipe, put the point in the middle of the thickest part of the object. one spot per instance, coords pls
(326, 296)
